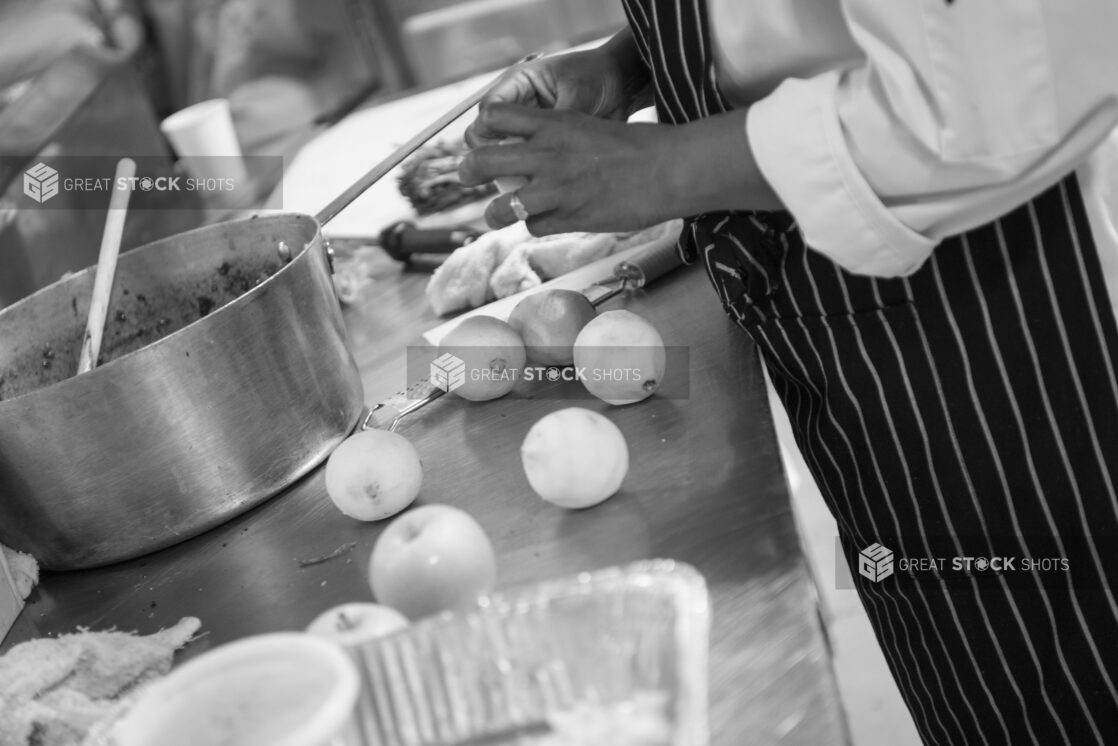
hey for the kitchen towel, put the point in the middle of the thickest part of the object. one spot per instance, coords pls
(22, 571)
(19, 573)
(53, 690)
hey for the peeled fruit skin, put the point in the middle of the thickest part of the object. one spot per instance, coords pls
(575, 458)
(549, 323)
(629, 348)
(430, 559)
(493, 354)
(373, 474)
(357, 623)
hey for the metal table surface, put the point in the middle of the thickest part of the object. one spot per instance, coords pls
(705, 487)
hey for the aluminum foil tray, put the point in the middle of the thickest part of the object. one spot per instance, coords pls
(616, 657)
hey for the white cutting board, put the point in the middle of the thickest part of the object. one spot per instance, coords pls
(335, 159)
(577, 279)
(327, 165)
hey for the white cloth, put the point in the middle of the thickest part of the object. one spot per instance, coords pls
(887, 125)
(20, 570)
(55, 689)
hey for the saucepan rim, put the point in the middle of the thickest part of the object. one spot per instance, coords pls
(107, 368)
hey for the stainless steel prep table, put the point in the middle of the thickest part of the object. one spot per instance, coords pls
(705, 487)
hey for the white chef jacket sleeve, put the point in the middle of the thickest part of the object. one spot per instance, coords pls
(961, 111)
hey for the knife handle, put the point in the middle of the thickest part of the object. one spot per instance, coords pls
(402, 240)
(649, 265)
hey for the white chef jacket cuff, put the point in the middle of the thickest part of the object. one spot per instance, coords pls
(799, 145)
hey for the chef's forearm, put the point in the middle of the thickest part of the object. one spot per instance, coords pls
(711, 163)
(711, 168)
(622, 47)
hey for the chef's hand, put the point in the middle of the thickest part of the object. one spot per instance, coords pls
(584, 173)
(609, 81)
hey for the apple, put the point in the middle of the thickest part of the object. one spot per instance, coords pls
(432, 558)
(354, 624)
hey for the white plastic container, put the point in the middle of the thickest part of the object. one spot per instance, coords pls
(610, 651)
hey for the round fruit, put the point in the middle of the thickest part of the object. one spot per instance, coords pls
(620, 357)
(357, 623)
(575, 458)
(491, 354)
(373, 474)
(430, 559)
(549, 323)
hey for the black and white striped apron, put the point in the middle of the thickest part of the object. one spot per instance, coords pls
(969, 410)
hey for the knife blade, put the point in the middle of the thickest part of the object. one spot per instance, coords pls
(637, 272)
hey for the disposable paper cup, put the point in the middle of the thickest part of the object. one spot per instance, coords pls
(205, 140)
(283, 689)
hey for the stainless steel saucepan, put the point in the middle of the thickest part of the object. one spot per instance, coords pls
(225, 377)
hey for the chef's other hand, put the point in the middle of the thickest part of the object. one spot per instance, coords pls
(608, 81)
(583, 173)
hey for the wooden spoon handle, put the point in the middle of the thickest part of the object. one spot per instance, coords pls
(106, 265)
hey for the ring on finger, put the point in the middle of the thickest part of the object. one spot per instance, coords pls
(517, 207)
